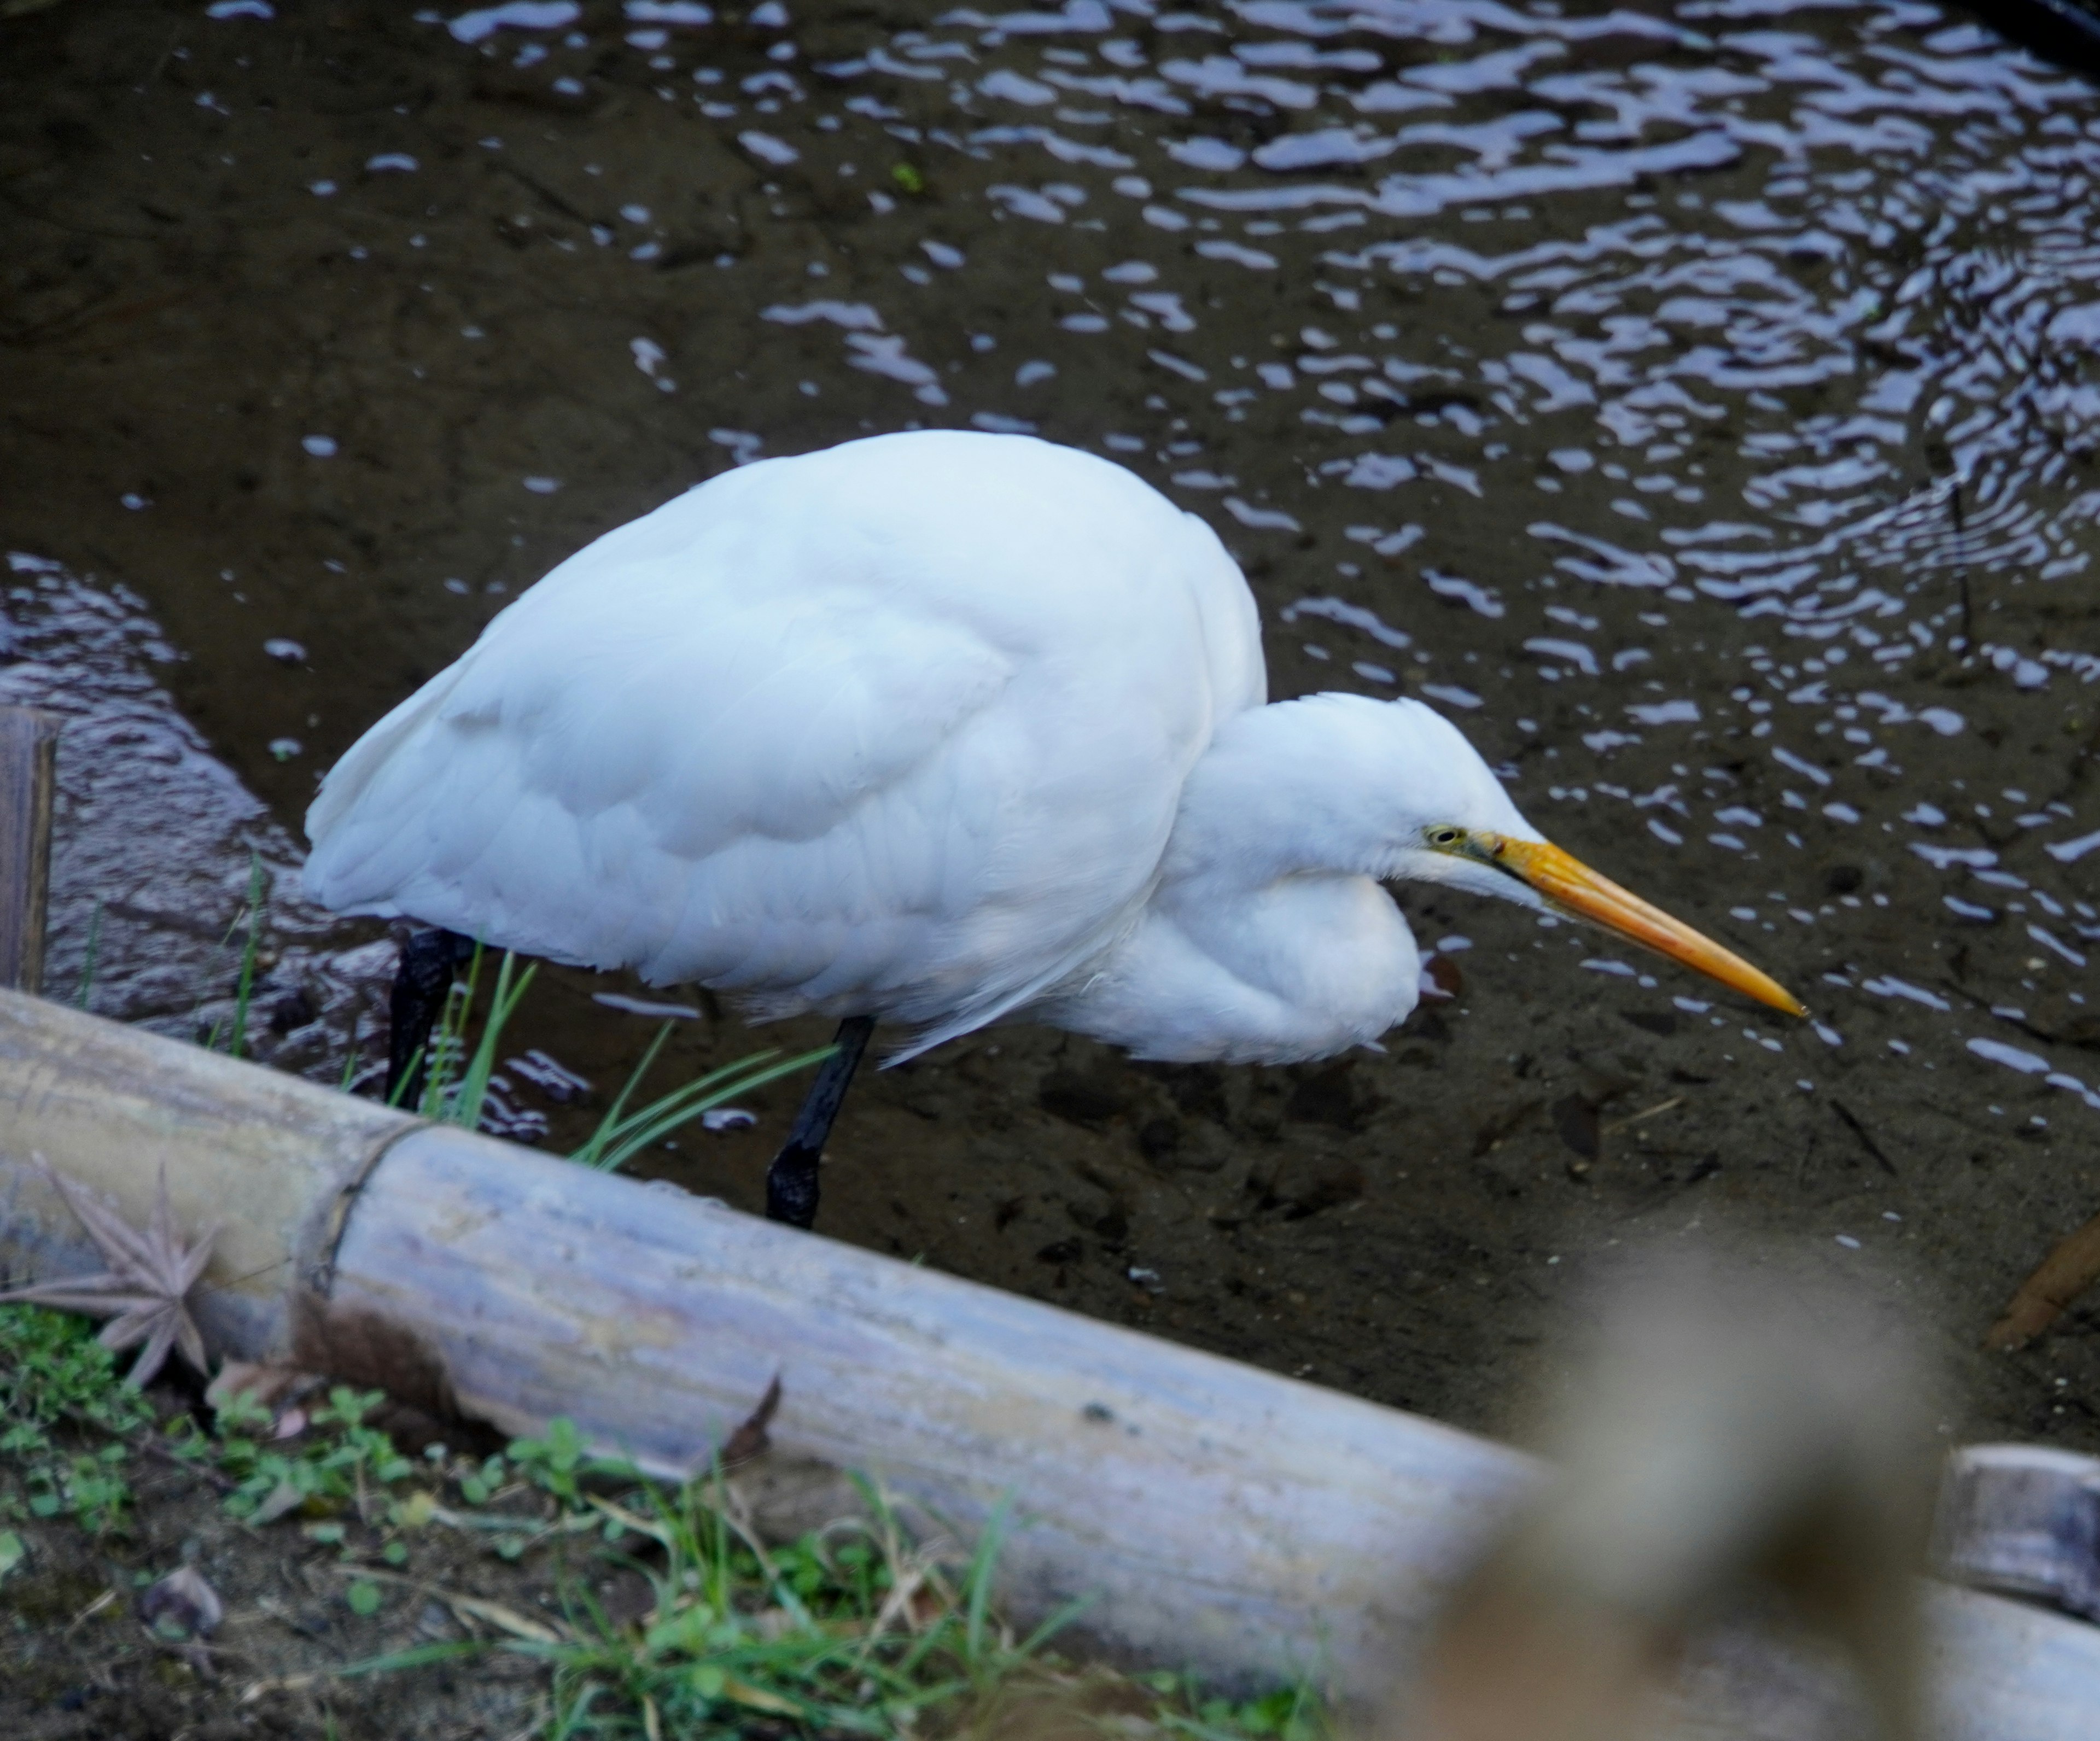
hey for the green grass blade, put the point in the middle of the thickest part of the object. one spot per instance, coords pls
(608, 1126)
(680, 1106)
(1056, 1622)
(394, 1093)
(245, 990)
(94, 949)
(472, 1095)
(977, 1582)
(416, 1656)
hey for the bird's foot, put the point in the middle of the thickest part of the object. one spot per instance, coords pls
(791, 1186)
(421, 982)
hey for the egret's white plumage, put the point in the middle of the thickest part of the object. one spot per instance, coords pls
(936, 727)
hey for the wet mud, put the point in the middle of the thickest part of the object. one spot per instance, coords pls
(1698, 403)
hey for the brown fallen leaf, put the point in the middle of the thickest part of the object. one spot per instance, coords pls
(145, 1290)
(2071, 1266)
(749, 1439)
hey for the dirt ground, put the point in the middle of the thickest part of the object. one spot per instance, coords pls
(1662, 396)
(82, 1666)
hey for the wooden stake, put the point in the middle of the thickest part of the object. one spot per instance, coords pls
(29, 744)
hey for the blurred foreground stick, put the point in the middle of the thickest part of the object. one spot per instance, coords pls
(29, 741)
(1731, 1545)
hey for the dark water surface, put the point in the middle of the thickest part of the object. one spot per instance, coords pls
(1669, 394)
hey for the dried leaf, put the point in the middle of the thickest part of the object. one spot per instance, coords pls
(283, 1498)
(145, 1290)
(496, 1614)
(758, 1699)
(899, 1604)
(285, 1683)
(2071, 1266)
(503, 1619)
(749, 1439)
(266, 1386)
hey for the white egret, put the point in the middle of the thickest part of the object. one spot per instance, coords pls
(938, 728)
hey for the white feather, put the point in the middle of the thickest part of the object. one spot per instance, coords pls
(932, 726)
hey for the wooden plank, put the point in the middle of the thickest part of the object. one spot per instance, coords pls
(29, 744)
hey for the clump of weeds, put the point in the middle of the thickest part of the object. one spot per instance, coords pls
(858, 1629)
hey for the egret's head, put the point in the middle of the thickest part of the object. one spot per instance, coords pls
(1392, 789)
(1464, 832)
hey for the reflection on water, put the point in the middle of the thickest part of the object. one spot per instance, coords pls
(156, 845)
(1688, 392)
(1698, 402)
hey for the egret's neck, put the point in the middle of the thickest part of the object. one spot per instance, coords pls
(1268, 937)
(1295, 788)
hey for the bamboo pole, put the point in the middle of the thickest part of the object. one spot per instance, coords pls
(2024, 1520)
(1221, 1518)
(271, 1159)
(1209, 1510)
(29, 744)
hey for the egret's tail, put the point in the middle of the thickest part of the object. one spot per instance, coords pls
(349, 831)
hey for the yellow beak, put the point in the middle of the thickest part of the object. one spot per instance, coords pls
(1572, 886)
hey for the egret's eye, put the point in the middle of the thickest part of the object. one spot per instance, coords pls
(1446, 835)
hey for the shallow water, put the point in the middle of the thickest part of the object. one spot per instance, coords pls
(1698, 403)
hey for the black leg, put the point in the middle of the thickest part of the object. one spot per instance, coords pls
(791, 1182)
(420, 982)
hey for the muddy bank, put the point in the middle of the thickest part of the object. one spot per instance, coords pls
(1661, 395)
